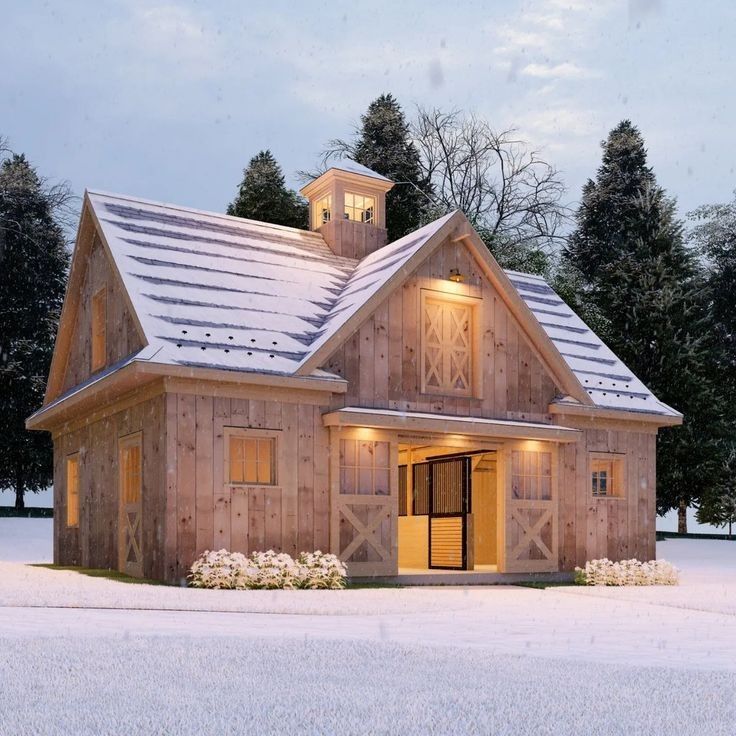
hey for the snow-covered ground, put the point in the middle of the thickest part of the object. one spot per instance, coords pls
(89, 655)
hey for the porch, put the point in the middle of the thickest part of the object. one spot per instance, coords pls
(430, 499)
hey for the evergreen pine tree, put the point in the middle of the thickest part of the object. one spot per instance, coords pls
(33, 266)
(636, 272)
(263, 195)
(384, 144)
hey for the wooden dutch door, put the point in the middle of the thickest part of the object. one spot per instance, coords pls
(365, 504)
(131, 497)
(530, 513)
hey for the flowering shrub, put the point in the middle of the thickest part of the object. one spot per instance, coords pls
(626, 572)
(321, 571)
(267, 571)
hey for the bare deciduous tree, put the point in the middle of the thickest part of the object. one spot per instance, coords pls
(508, 191)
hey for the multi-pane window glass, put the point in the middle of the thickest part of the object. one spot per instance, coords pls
(252, 460)
(365, 467)
(360, 208)
(606, 475)
(72, 490)
(323, 210)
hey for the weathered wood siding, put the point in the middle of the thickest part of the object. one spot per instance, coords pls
(122, 337)
(94, 543)
(615, 527)
(382, 361)
(204, 513)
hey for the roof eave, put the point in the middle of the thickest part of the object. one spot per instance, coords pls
(600, 412)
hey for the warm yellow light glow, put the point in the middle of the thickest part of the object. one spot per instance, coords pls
(322, 211)
(456, 276)
(360, 208)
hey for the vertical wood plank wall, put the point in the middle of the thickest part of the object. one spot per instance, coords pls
(94, 543)
(122, 338)
(614, 527)
(382, 361)
(204, 513)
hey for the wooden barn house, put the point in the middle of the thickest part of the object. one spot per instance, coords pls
(219, 382)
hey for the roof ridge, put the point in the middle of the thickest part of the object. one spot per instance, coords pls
(194, 210)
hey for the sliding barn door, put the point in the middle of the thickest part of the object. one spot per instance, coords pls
(449, 507)
(365, 505)
(131, 501)
(530, 514)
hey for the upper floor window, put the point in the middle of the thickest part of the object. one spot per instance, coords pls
(360, 208)
(72, 490)
(447, 346)
(323, 210)
(99, 329)
(251, 458)
(606, 475)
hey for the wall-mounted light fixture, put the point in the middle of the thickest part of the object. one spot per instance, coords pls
(456, 276)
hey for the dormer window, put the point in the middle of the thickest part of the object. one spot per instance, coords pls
(360, 208)
(323, 210)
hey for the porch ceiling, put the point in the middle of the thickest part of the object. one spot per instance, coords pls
(355, 416)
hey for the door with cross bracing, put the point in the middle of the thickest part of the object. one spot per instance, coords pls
(531, 534)
(365, 504)
(130, 550)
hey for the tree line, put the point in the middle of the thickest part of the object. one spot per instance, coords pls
(659, 289)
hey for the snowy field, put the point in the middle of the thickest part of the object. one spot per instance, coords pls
(91, 656)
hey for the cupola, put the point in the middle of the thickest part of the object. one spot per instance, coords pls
(347, 205)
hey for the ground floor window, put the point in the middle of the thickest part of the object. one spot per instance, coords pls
(606, 475)
(72, 490)
(251, 458)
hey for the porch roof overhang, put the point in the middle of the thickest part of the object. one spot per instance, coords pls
(390, 419)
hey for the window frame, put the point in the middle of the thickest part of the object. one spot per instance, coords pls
(72, 460)
(615, 480)
(355, 208)
(247, 433)
(98, 330)
(474, 389)
(317, 210)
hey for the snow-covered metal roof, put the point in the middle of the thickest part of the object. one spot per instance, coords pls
(215, 291)
(353, 167)
(221, 292)
(370, 274)
(604, 376)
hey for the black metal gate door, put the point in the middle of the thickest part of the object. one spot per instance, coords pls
(449, 506)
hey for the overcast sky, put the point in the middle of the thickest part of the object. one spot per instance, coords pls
(169, 100)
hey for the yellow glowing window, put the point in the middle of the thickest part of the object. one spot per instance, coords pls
(72, 490)
(131, 473)
(99, 329)
(360, 208)
(251, 460)
(323, 210)
(606, 475)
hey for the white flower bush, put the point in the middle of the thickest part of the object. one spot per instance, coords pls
(267, 571)
(627, 572)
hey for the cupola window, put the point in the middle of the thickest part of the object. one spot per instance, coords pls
(360, 208)
(323, 210)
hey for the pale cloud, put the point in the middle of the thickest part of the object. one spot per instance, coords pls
(564, 70)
